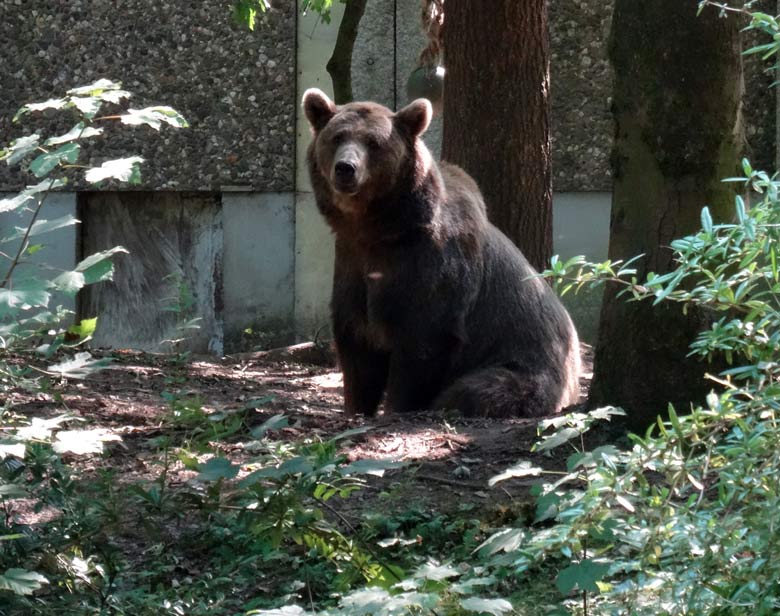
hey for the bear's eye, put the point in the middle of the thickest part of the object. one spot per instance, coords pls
(339, 138)
(373, 144)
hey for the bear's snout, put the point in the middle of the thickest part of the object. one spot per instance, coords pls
(348, 169)
(345, 171)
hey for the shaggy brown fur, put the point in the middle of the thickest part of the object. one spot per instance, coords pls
(433, 307)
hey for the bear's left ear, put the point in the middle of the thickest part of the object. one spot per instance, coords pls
(319, 109)
(415, 117)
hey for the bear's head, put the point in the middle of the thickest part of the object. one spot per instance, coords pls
(363, 150)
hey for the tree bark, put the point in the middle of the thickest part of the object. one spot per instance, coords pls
(339, 66)
(497, 113)
(676, 104)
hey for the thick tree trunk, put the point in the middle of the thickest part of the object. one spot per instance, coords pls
(497, 110)
(339, 66)
(678, 86)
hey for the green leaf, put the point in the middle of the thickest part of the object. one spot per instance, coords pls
(706, 220)
(24, 294)
(12, 203)
(122, 169)
(44, 186)
(521, 469)
(80, 131)
(436, 573)
(87, 105)
(217, 468)
(497, 607)
(84, 329)
(52, 103)
(557, 439)
(80, 366)
(40, 227)
(82, 442)
(154, 117)
(69, 283)
(582, 575)
(94, 88)
(21, 581)
(99, 267)
(370, 467)
(12, 490)
(273, 423)
(507, 540)
(47, 161)
(20, 148)
(352, 432)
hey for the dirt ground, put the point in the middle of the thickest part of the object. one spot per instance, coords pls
(450, 459)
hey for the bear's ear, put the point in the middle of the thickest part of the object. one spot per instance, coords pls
(319, 109)
(415, 117)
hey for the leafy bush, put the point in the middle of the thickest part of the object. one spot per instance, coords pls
(32, 330)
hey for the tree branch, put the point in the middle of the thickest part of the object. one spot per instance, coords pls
(340, 64)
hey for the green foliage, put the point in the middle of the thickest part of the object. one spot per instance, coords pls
(246, 11)
(30, 465)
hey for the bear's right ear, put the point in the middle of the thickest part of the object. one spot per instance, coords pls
(415, 117)
(319, 109)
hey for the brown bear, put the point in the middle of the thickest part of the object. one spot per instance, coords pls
(432, 305)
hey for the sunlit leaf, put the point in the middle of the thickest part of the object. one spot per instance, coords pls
(84, 329)
(24, 294)
(370, 467)
(98, 87)
(40, 429)
(122, 169)
(12, 449)
(272, 423)
(83, 442)
(497, 607)
(69, 283)
(80, 366)
(80, 131)
(87, 105)
(40, 227)
(521, 469)
(52, 103)
(47, 161)
(217, 468)
(154, 117)
(21, 581)
(20, 148)
(437, 573)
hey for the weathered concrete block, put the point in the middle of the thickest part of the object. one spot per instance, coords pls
(581, 227)
(373, 58)
(314, 258)
(172, 274)
(259, 269)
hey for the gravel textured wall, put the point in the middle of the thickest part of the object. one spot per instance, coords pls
(236, 88)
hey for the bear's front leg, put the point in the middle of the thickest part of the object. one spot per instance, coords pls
(365, 375)
(417, 374)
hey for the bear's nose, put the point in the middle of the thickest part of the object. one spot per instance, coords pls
(345, 171)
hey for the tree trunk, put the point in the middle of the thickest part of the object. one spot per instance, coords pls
(678, 87)
(497, 110)
(339, 66)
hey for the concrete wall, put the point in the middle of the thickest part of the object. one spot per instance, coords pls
(236, 87)
(240, 90)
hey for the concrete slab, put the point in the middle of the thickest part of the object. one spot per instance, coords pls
(258, 269)
(581, 227)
